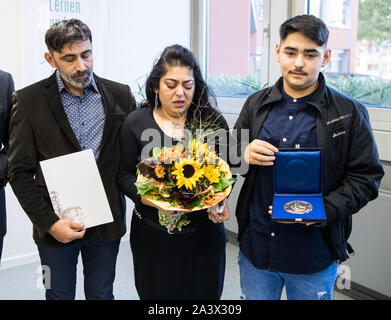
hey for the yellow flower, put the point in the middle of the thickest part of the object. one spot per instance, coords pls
(202, 152)
(211, 158)
(212, 173)
(197, 148)
(187, 172)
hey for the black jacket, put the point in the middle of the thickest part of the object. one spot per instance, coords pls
(6, 89)
(40, 130)
(351, 167)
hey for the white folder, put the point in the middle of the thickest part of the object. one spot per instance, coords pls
(76, 189)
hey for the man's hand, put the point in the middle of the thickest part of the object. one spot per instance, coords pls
(260, 152)
(65, 231)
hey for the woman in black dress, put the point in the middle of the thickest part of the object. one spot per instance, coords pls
(186, 264)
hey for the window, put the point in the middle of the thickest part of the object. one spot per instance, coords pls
(339, 61)
(360, 41)
(235, 46)
(337, 13)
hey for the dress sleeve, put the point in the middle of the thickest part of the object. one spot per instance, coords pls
(129, 158)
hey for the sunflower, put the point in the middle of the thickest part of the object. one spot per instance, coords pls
(187, 172)
(212, 173)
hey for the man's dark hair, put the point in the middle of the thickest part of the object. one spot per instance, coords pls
(308, 25)
(66, 32)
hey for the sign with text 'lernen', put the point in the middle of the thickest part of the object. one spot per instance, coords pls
(38, 15)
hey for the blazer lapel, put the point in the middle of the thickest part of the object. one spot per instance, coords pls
(108, 102)
(55, 104)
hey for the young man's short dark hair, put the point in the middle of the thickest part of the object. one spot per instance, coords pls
(66, 32)
(308, 25)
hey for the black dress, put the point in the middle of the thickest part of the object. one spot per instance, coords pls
(189, 264)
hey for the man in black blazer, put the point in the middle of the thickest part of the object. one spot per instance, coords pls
(70, 111)
(6, 90)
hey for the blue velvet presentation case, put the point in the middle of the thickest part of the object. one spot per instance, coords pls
(298, 186)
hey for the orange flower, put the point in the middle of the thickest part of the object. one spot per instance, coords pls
(159, 171)
(165, 156)
(178, 152)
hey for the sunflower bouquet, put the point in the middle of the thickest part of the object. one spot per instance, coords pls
(186, 177)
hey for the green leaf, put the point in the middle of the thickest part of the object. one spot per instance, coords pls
(195, 203)
(223, 184)
(156, 152)
(145, 188)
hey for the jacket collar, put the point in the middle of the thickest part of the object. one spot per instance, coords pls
(319, 98)
(51, 91)
(110, 106)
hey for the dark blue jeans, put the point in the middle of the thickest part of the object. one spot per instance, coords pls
(59, 265)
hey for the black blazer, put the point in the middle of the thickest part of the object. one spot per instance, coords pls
(39, 130)
(6, 90)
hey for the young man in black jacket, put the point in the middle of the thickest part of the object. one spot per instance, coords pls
(301, 109)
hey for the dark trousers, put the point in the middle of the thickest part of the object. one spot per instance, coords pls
(1, 247)
(3, 227)
(59, 266)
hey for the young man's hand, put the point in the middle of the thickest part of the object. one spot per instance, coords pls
(260, 153)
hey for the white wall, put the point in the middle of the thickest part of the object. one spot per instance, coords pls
(139, 32)
(10, 53)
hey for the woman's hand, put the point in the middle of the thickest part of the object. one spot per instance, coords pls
(219, 217)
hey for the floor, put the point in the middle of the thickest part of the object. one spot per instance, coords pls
(24, 282)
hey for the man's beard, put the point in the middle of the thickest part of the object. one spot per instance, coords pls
(78, 83)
